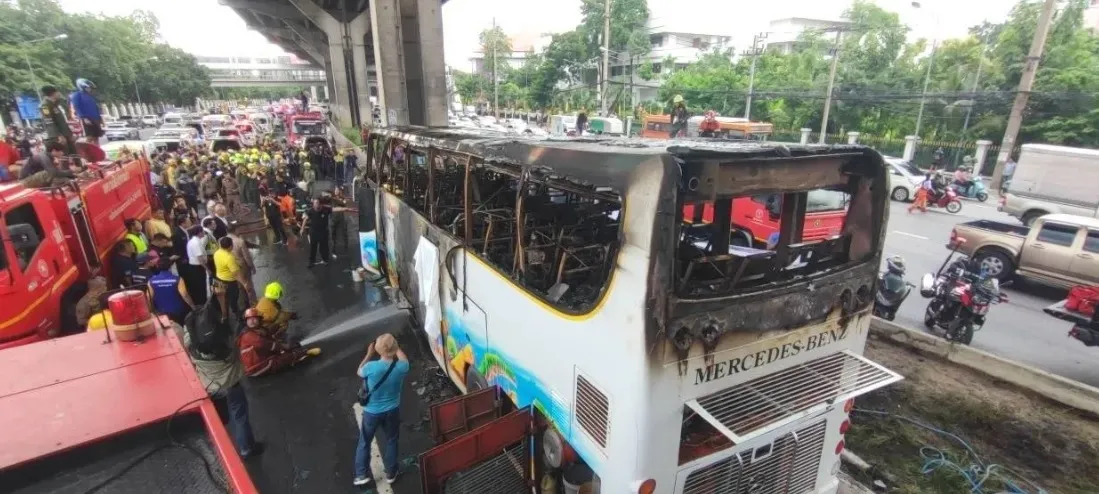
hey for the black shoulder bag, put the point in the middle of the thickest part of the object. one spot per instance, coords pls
(364, 394)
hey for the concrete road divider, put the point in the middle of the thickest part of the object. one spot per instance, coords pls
(1062, 390)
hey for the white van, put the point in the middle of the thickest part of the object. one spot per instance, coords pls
(1053, 179)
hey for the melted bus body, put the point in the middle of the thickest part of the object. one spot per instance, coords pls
(561, 275)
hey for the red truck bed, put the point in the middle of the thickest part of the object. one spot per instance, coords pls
(78, 410)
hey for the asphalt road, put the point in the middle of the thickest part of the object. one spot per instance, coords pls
(1018, 329)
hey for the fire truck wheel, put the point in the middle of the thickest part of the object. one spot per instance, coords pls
(68, 308)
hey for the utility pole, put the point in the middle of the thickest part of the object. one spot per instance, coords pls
(495, 81)
(754, 53)
(1037, 45)
(603, 88)
(926, 82)
(976, 83)
(831, 84)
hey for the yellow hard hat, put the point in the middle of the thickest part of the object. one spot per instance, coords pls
(273, 290)
(678, 98)
(100, 321)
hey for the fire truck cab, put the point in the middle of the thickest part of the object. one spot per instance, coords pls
(52, 240)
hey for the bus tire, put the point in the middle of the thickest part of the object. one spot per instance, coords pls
(474, 380)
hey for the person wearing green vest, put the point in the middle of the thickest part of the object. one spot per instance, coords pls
(136, 236)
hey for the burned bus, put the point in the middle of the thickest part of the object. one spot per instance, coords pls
(561, 289)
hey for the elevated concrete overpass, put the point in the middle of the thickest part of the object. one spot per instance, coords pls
(391, 48)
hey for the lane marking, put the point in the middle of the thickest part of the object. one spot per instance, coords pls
(913, 235)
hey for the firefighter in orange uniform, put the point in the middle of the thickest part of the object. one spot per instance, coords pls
(262, 353)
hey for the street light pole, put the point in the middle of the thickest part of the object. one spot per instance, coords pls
(137, 91)
(926, 82)
(603, 88)
(831, 84)
(927, 77)
(27, 58)
(976, 83)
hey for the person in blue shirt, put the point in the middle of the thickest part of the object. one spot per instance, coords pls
(383, 408)
(87, 109)
(168, 292)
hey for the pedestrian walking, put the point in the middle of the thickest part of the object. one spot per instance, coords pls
(383, 380)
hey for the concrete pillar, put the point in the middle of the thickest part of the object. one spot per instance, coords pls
(326, 97)
(805, 135)
(385, 19)
(981, 155)
(910, 143)
(335, 99)
(852, 137)
(313, 93)
(429, 18)
(357, 29)
(413, 62)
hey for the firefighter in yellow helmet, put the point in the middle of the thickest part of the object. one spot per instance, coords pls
(273, 317)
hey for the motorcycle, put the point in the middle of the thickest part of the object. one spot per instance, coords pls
(947, 199)
(975, 190)
(892, 289)
(961, 295)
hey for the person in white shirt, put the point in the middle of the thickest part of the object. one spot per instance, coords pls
(194, 275)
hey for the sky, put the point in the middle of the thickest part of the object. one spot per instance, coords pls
(203, 27)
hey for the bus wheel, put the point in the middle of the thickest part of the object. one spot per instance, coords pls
(474, 380)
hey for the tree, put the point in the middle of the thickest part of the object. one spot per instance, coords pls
(470, 87)
(115, 52)
(627, 18)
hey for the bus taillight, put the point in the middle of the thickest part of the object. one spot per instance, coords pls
(646, 487)
(839, 447)
(844, 427)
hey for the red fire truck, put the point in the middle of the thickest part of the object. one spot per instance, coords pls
(301, 127)
(55, 239)
(90, 413)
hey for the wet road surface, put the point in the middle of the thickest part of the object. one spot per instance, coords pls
(304, 415)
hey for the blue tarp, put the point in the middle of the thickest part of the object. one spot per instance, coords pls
(28, 107)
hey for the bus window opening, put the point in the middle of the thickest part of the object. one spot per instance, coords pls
(556, 238)
(738, 244)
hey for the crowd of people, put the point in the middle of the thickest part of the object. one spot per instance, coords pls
(197, 268)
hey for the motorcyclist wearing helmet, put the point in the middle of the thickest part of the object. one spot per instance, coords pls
(270, 310)
(87, 109)
(263, 352)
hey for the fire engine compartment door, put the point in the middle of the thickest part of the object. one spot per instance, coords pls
(84, 234)
(751, 409)
(452, 418)
(495, 456)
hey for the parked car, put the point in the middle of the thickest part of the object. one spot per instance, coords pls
(904, 178)
(120, 131)
(1061, 250)
(1053, 179)
(150, 121)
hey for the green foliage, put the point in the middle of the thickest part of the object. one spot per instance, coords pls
(352, 134)
(115, 52)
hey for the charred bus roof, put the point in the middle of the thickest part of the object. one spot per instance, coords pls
(611, 161)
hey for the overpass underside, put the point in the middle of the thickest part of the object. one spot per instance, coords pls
(389, 48)
(215, 82)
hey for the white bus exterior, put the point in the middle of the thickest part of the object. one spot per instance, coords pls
(626, 373)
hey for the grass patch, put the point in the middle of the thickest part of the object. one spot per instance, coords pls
(1026, 436)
